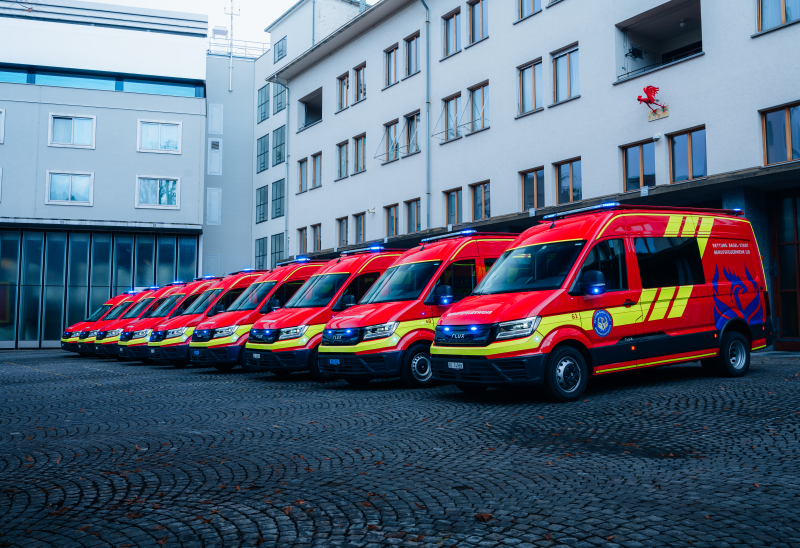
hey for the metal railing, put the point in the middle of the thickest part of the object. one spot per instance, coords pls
(241, 48)
(661, 63)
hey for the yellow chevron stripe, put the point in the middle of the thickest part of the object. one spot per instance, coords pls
(648, 296)
(681, 300)
(662, 304)
(704, 232)
(689, 227)
(673, 226)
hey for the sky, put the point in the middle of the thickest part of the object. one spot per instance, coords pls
(255, 16)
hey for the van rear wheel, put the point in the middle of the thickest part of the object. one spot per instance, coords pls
(415, 369)
(565, 375)
(734, 355)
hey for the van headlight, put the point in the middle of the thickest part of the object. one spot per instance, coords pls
(140, 334)
(172, 333)
(292, 332)
(379, 331)
(518, 328)
(114, 333)
(224, 331)
(92, 333)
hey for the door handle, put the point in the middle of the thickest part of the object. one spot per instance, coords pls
(629, 303)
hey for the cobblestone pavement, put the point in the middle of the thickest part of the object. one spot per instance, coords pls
(101, 453)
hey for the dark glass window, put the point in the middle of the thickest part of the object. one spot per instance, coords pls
(609, 258)
(278, 97)
(261, 253)
(280, 49)
(276, 253)
(669, 262)
(261, 204)
(278, 199)
(262, 153)
(278, 145)
(533, 189)
(359, 287)
(461, 277)
(283, 294)
(263, 104)
(229, 297)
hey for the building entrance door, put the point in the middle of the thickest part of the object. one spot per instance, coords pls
(785, 242)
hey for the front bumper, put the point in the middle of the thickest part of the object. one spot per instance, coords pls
(383, 364)
(174, 353)
(210, 355)
(110, 350)
(70, 346)
(85, 348)
(267, 360)
(137, 352)
(519, 370)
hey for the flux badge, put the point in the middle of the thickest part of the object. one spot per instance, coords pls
(602, 322)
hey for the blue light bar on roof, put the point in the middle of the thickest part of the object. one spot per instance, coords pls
(465, 232)
(604, 205)
(370, 249)
(177, 282)
(153, 287)
(208, 277)
(247, 269)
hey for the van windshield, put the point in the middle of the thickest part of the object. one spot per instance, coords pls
(167, 305)
(202, 302)
(532, 268)
(318, 291)
(117, 312)
(137, 309)
(99, 313)
(404, 282)
(252, 296)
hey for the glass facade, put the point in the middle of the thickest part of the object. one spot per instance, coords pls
(52, 279)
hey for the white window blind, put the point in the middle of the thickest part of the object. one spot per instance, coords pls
(213, 206)
(214, 155)
(215, 119)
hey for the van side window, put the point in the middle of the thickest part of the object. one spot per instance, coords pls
(286, 291)
(358, 287)
(461, 277)
(609, 258)
(228, 298)
(489, 263)
(185, 304)
(669, 262)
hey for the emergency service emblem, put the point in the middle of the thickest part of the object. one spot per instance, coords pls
(602, 322)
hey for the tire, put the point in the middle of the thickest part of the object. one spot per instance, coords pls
(472, 388)
(415, 369)
(357, 381)
(313, 367)
(565, 375)
(734, 355)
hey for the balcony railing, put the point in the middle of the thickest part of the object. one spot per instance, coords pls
(241, 48)
(662, 63)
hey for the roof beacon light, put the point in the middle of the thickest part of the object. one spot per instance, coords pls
(153, 287)
(604, 205)
(370, 249)
(460, 233)
(178, 282)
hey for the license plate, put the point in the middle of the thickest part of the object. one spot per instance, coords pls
(256, 356)
(152, 350)
(334, 362)
(196, 352)
(455, 365)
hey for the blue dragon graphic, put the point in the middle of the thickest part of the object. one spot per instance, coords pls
(752, 312)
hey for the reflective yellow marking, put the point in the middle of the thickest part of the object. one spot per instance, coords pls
(704, 232)
(648, 295)
(662, 304)
(760, 347)
(681, 300)
(673, 226)
(376, 257)
(690, 227)
(545, 243)
(687, 358)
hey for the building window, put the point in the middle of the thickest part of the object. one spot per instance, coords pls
(412, 55)
(302, 241)
(688, 155)
(78, 132)
(478, 21)
(452, 33)
(316, 173)
(569, 181)
(158, 137)
(528, 7)
(481, 202)
(639, 166)
(361, 153)
(530, 88)
(479, 97)
(279, 145)
(344, 89)
(276, 250)
(781, 134)
(773, 13)
(451, 127)
(361, 84)
(278, 188)
(342, 226)
(566, 82)
(158, 193)
(280, 49)
(412, 216)
(453, 204)
(261, 254)
(278, 97)
(2, 125)
(316, 237)
(392, 147)
(303, 175)
(360, 236)
(391, 221)
(532, 189)
(341, 152)
(262, 153)
(412, 125)
(263, 103)
(70, 188)
(390, 76)
(261, 204)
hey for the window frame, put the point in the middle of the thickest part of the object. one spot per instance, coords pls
(316, 237)
(459, 197)
(457, 127)
(157, 206)
(360, 76)
(262, 207)
(342, 235)
(2, 125)
(520, 17)
(316, 160)
(139, 148)
(535, 172)
(281, 146)
(572, 199)
(416, 203)
(471, 6)
(392, 209)
(280, 50)
(787, 121)
(624, 149)
(389, 128)
(261, 260)
(412, 138)
(688, 133)
(566, 52)
(520, 70)
(302, 175)
(409, 41)
(389, 67)
(93, 118)
(362, 139)
(265, 104)
(474, 192)
(362, 219)
(279, 201)
(456, 16)
(483, 87)
(276, 257)
(90, 203)
(282, 91)
(759, 22)
(264, 154)
(343, 95)
(302, 240)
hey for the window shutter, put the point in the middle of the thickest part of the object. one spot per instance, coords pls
(215, 119)
(213, 206)
(215, 156)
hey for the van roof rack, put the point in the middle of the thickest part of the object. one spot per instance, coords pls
(617, 205)
(462, 234)
(375, 248)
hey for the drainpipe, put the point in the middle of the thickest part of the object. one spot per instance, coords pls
(313, 19)
(286, 183)
(427, 114)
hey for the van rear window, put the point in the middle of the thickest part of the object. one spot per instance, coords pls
(669, 262)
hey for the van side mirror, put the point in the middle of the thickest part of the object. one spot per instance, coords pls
(443, 295)
(348, 301)
(178, 312)
(219, 308)
(594, 283)
(273, 304)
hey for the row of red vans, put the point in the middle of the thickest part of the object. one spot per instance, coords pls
(606, 289)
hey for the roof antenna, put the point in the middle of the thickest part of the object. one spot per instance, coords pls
(552, 224)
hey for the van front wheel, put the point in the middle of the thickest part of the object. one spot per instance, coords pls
(566, 375)
(415, 369)
(734, 355)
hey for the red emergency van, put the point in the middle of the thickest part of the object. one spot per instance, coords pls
(390, 332)
(134, 337)
(87, 335)
(286, 340)
(220, 340)
(169, 341)
(105, 342)
(609, 289)
(71, 335)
